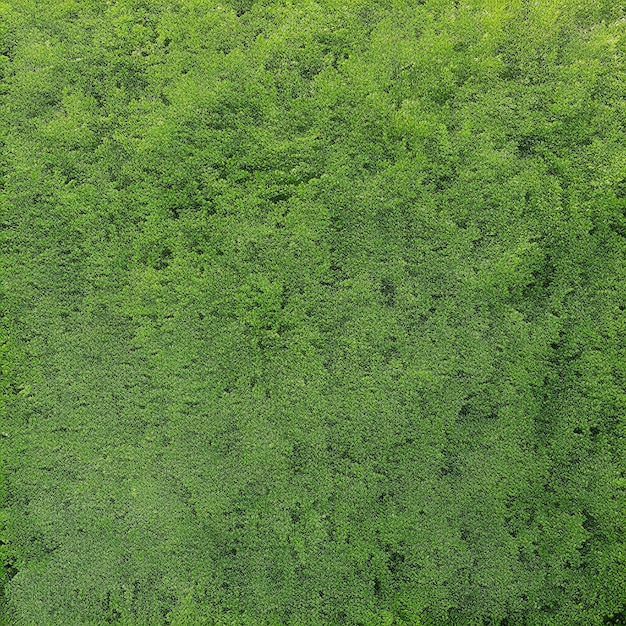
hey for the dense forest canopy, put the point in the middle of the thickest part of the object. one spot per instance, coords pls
(313, 312)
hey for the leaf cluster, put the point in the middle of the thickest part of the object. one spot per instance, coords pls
(313, 312)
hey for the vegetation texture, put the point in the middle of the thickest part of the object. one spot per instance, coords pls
(313, 312)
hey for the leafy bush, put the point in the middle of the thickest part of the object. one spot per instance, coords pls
(314, 312)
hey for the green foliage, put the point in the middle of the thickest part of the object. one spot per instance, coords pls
(8, 553)
(313, 313)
